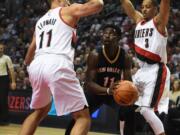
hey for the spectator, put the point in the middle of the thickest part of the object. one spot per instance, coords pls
(6, 78)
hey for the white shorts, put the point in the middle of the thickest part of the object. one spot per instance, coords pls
(153, 82)
(53, 76)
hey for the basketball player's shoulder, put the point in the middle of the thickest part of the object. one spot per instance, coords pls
(93, 56)
(94, 53)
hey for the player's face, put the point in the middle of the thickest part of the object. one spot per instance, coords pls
(109, 36)
(1, 50)
(148, 9)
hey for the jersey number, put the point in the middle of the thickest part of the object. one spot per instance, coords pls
(146, 42)
(108, 80)
(42, 37)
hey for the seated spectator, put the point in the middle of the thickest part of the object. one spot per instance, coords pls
(174, 110)
(175, 93)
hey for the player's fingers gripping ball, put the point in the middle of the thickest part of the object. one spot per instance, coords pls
(126, 93)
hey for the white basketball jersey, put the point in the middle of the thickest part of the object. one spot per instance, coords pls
(53, 35)
(150, 44)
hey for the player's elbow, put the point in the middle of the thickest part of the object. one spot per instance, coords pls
(98, 5)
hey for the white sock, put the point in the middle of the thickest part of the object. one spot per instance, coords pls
(121, 123)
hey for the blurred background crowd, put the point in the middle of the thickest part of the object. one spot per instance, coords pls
(17, 23)
(18, 18)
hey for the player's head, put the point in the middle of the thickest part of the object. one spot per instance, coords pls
(111, 34)
(149, 9)
(1, 49)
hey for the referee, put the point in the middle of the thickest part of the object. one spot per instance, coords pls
(7, 79)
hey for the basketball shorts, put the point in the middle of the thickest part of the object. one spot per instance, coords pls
(153, 82)
(54, 76)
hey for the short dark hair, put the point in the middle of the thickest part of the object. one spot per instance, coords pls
(118, 30)
(155, 3)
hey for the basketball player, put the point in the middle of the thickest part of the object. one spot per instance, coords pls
(105, 66)
(6, 77)
(153, 77)
(50, 60)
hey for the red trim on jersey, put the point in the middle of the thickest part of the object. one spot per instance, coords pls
(147, 54)
(143, 22)
(163, 34)
(64, 20)
(161, 90)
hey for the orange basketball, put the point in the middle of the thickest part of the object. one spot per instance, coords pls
(126, 93)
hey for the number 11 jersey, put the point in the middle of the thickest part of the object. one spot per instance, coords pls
(54, 35)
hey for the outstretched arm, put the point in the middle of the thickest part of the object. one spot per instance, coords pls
(131, 11)
(88, 8)
(72, 13)
(162, 18)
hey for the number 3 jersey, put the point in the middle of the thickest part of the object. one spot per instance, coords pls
(54, 35)
(150, 44)
(109, 71)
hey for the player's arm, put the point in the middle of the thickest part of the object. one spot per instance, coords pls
(127, 68)
(131, 11)
(72, 13)
(90, 83)
(88, 8)
(163, 16)
(31, 51)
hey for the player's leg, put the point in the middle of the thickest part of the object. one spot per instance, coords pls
(41, 98)
(69, 127)
(94, 104)
(121, 127)
(153, 120)
(69, 98)
(32, 121)
(127, 120)
(130, 126)
(152, 88)
(82, 122)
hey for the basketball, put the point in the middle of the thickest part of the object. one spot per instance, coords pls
(126, 93)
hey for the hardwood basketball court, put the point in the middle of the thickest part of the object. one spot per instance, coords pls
(13, 129)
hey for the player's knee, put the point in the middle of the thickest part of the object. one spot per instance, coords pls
(153, 120)
(42, 112)
(82, 114)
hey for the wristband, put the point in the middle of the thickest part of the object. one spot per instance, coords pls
(108, 92)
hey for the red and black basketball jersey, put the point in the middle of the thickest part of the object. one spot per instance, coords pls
(150, 44)
(109, 71)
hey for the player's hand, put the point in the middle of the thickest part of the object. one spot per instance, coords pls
(113, 87)
(13, 85)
